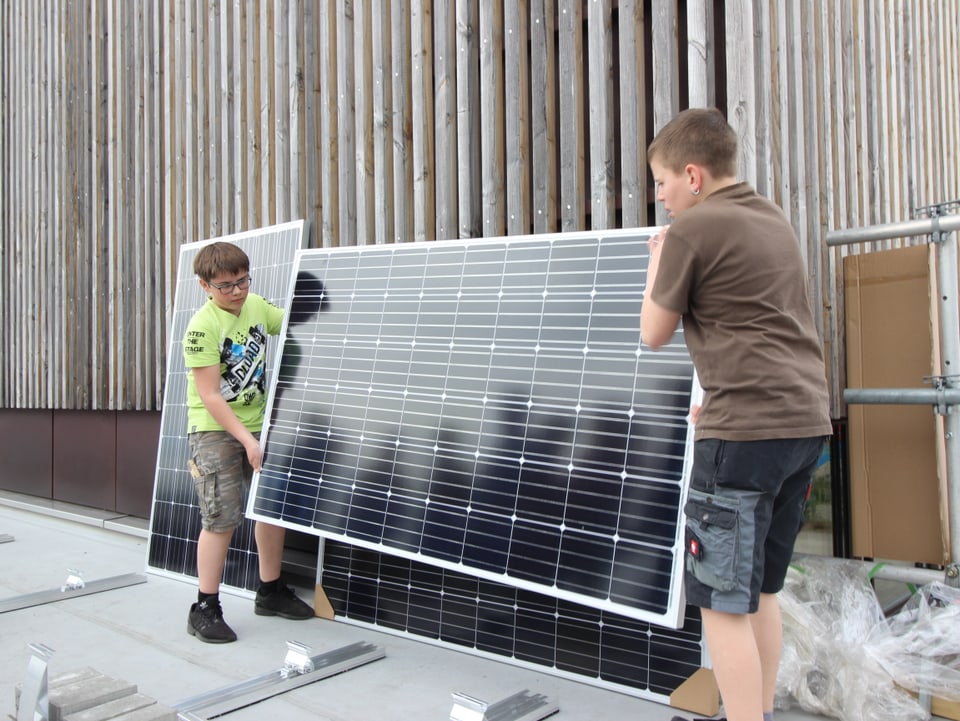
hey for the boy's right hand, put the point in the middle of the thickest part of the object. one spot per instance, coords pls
(656, 240)
(254, 454)
(694, 413)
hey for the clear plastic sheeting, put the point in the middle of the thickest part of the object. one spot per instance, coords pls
(829, 611)
(920, 646)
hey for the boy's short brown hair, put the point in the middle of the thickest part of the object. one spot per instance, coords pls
(218, 258)
(700, 136)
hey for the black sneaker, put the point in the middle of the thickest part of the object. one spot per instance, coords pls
(206, 623)
(284, 603)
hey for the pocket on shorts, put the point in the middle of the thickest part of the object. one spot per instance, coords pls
(712, 539)
(208, 491)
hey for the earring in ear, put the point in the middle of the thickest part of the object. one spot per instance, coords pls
(694, 191)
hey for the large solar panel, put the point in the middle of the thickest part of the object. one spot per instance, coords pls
(486, 407)
(175, 516)
(491, 619)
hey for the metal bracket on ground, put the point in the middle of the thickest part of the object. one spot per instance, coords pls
(297, 660)
(34, 702)
(74, 581)
(223, 700)
(71, 589)
(522, 706)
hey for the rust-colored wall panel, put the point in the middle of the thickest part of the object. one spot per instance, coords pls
(85, 458)
(26, 451)
(138, 434)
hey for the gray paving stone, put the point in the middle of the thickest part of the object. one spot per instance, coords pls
(112, 709)
(69, 677)
(62, 680)
(156, 712)
(86, 693)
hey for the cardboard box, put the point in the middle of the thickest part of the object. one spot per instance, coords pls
(895, 488)
(945, 708)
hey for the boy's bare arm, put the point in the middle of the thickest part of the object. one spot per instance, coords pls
(207, 380)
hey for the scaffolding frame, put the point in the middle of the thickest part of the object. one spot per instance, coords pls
(944, 396)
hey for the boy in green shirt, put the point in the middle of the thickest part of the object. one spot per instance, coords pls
(224, 349)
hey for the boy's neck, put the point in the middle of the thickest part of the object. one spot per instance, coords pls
(712, 185)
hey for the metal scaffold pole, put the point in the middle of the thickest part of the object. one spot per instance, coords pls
(949, 307)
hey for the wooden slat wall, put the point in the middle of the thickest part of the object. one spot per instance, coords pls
(130, 128)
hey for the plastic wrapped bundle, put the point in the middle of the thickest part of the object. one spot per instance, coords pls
(829, 610)
(919, 647)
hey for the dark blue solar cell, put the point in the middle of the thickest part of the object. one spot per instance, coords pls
(496, 627)
(443, 531)
(578, 639)
(486, 544)
(585, 563)
(534, 552)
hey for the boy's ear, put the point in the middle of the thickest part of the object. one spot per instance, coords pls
(696, 175)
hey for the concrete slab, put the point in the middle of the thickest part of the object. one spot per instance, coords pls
(139, 633)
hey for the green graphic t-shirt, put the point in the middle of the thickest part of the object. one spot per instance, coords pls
(238, 345)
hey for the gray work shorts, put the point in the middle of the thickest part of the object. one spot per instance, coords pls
(744, 510)
(221, 476)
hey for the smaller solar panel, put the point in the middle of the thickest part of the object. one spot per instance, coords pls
(175, 515)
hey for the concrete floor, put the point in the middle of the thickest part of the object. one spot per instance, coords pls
(137, 634)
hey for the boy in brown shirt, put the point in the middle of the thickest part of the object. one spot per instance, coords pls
(730, 267)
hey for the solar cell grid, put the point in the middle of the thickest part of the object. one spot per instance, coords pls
(487, 407)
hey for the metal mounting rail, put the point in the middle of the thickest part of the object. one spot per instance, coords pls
(522, 706)
(223, 700)
(70, 591)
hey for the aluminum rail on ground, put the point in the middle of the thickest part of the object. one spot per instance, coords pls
(941, 231)
(223, 700)
(15, 603)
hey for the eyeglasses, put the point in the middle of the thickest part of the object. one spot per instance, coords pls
(227, 288)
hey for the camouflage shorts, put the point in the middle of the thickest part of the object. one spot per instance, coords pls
(221, 475)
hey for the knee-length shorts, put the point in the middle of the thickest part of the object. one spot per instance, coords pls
(744, 509)
(221, 476)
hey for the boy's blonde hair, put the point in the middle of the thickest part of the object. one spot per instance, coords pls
(219, 258)
(700, 136)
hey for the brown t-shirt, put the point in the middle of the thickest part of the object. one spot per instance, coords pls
(731, 266)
